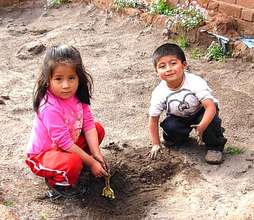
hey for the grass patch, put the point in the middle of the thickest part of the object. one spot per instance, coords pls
(196, 53)
(233, 150)
(182, 41)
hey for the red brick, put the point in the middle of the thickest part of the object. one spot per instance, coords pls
(172, 2)
(230, 9)
(229, 1)
(247, 15)
(132, 11)
(213, 5)
(160, 20)
(246, 3)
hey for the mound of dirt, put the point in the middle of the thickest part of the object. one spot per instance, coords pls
(136, 180)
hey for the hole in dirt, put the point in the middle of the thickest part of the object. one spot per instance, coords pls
(136, 180)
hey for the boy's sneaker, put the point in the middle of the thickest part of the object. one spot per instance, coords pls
(214, 157)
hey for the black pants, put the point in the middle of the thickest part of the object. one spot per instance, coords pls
(176, 129)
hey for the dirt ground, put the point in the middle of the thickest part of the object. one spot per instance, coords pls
(116, 51)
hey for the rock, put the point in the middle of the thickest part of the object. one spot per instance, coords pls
(238, 49)
(5, 97)
(29, 50)
(2, 102)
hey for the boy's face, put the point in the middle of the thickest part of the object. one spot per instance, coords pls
(171, 69)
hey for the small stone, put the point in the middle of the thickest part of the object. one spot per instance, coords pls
(2, 102)
(5, 97)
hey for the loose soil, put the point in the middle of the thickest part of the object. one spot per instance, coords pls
(117, 52)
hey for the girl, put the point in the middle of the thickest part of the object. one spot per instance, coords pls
(64, 134)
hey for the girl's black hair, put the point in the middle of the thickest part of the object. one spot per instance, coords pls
(167, 50)
(66, 55)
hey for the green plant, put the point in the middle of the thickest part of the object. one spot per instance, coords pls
(43, 215)
(232, 150)
(215, 52)
(120, 4)
(190, 15)
(56, 3)
(8, 203)
(161, 7)
(196, 53)
(182, 41)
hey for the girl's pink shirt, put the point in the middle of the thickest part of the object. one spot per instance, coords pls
(59, 123)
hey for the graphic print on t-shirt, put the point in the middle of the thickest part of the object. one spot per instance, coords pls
(182, 103)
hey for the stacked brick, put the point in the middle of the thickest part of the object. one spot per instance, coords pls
(241, 9)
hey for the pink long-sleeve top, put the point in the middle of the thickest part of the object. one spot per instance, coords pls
(59, 123)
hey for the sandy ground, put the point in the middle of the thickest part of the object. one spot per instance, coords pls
(116, 50)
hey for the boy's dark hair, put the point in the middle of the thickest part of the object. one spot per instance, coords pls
(62, 54)
(167, 50)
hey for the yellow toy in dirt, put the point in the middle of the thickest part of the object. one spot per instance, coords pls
(107, 191)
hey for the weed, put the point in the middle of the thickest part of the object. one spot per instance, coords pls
(182, 41)
(43, 216)
(196, 53)
(56, 3)
(215, 52)
(161, 7)
(8, 203)
(232, 150)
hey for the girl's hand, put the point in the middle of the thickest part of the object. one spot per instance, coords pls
(97, 169)
(99, 157)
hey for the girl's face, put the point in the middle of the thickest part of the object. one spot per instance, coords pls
(171, 69)
(64, 82)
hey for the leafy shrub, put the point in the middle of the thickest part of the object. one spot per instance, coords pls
(161, 7)
(215, 52)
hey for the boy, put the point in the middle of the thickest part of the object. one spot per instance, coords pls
(188, 103)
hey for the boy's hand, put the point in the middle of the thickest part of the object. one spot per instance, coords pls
(97, 169)
(199, 132)
(154, 151)
(102, 161)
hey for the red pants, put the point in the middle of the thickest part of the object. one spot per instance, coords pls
(61, 167)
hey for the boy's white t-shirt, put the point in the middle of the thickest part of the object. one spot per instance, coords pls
(183, 102)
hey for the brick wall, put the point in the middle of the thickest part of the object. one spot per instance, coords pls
(241, 9)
